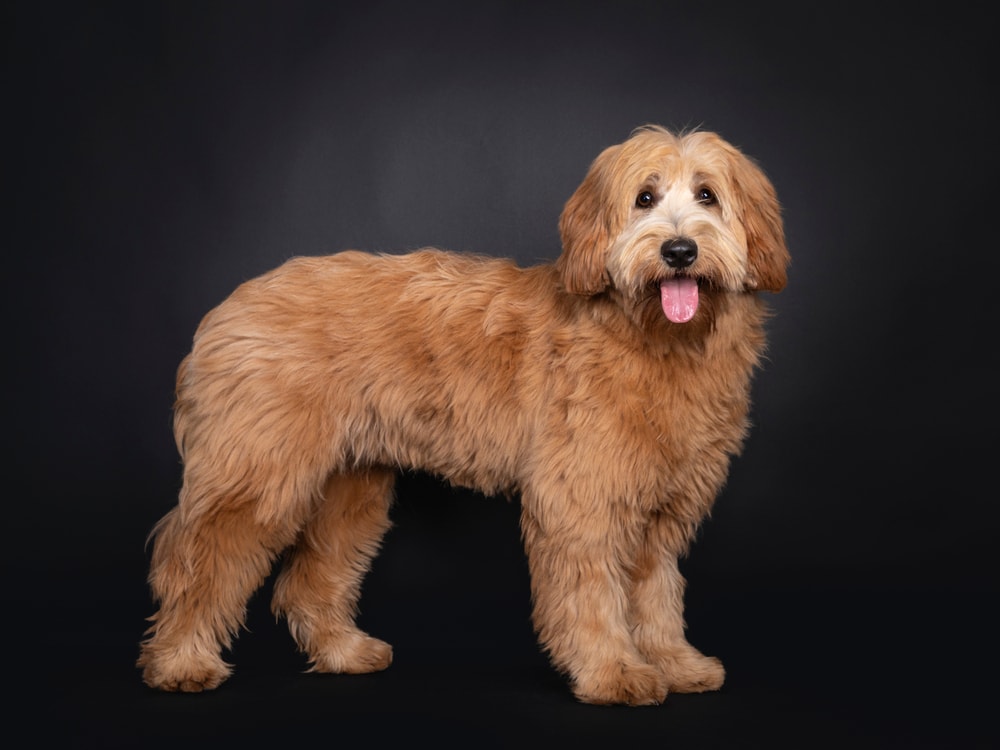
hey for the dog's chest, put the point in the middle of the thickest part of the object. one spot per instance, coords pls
(653, 427)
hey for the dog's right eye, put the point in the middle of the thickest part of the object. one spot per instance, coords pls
(644, 199)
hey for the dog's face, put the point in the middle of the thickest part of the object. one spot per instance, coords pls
(669, 218)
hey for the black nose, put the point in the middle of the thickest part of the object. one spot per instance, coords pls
(679, 252)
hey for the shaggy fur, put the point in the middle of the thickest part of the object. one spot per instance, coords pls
(608, 391)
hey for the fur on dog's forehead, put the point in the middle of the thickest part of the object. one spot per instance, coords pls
(654, 157)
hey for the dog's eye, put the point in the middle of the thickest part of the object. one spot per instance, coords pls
(706, 196)
(644, 199)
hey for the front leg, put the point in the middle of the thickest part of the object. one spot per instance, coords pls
(578, 559)
(657, 607)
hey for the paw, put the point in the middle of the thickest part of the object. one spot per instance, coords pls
(689, 671)
(628, 684)
(183, 673)
(353, 652)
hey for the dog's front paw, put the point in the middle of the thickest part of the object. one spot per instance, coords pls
(353, 652)
(182, 673)
(629, 684)
(689, 671)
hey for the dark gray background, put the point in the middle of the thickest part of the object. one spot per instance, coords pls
(160, 153)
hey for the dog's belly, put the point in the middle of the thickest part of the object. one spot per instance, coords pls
(471, 431)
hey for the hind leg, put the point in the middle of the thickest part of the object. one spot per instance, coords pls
(205, 566)
(320, 584)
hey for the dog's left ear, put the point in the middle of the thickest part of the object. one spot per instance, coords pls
(760, 214)
(586, 226)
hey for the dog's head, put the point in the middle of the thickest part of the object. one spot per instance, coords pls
(669, 215)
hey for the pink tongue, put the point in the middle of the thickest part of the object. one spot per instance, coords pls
(679, 297)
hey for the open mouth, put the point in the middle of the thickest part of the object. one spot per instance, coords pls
(679, 298)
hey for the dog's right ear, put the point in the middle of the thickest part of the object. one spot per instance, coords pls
(586, 227)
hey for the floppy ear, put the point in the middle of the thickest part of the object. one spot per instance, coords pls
(587, 225)
(760, 214)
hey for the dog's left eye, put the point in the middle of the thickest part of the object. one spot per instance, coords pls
(706, 196)
(644, 199)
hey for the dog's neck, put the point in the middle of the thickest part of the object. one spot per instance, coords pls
(644, 326)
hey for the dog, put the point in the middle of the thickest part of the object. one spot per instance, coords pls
(607, 391)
